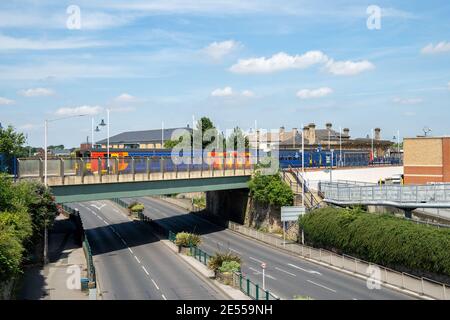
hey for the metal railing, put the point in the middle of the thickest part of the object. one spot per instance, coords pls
(33, 168)
(416, 194)
(419, 285)
(251, 289)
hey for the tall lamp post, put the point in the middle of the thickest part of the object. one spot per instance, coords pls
(107, 133)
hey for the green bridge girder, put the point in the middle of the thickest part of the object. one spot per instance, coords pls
(106, 191)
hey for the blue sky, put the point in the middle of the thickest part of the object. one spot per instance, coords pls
(271, 61)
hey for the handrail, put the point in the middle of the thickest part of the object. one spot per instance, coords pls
(313, 201)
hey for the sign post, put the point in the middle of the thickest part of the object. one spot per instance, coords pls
(263, 266)
(291, 214)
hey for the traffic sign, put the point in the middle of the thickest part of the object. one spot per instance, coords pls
(263, 265)
(291, 213)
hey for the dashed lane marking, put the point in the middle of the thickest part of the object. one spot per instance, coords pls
(155, 284)
(137, 259)
(145, 270)
(291, 274)
(257, 260)
(257, 272)
(164, 297)
(322, 286)
(300, 268)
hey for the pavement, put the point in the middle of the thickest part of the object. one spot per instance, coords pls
(287, 276)
(132, 264)
(58, 279)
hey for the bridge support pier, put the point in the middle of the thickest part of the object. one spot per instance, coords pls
(408, 213)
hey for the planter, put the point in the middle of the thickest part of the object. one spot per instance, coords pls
(225, 278)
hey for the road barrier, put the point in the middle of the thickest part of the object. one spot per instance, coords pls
(419, 285)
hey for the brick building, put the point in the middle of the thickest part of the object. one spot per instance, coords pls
(426, 160)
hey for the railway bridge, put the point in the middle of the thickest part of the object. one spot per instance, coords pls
(78, 179)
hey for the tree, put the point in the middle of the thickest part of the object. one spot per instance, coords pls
(170, 144)
(237, 136)
(11, 145)
(271, 189)
(203, 125)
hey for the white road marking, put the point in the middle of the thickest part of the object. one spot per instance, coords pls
(254, 259)
(145, 270)
(299, 268)
(236, 251)
(291, 274)
(322, 286)
(137, 259)
(259, 272)
(155, 284)
(130, 250)
(164, 297)
(98, 207)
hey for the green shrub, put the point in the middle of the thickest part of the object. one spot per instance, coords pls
(381, 239)
(271, 189)
(219, 258)
(136, 207)
(230, 266)
(186, 239)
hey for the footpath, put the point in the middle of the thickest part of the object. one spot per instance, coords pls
(60, 278)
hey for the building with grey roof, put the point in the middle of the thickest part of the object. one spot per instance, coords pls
(144, 139)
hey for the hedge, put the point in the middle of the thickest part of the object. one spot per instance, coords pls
(380, 239)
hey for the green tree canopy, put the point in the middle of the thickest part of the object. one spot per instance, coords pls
(11, 142)
(271, 189)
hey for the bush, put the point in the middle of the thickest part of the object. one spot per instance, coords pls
(271, 189)
(229, 267)
(186, 239)
(381, 239)
(136, 207)
(219, 258)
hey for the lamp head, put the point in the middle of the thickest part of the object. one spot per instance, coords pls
(102, 124)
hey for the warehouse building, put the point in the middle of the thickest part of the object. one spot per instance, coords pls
(426, 160)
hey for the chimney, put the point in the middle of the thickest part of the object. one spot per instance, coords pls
(312, 133)
(346, 132)
(329, 125)
(281, 134)
(306, 133)
(377, 134)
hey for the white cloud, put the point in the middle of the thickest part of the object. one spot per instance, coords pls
(229, 92)
(248, 93)
(218, 50)
(225, 92)
(82, 110)
(348, 68)
(315, 93)
(441, 47)
(279, 62)
(37, 92)
(408, 101)
(5, 101)
(125, 97)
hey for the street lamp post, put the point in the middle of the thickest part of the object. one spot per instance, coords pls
(107, 138)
